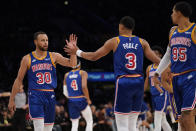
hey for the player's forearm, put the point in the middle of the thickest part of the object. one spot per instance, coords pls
(15, 89)
(92, 56)
(145, 85)
(73, 61)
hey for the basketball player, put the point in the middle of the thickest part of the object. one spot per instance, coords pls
(75, 89)
(128, 51)
(40, 66)
(159, 95)
(181, 54)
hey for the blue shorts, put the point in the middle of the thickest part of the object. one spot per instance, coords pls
(184, 87)
(129, 95)
(42, 105)
(75, 107)
(160, 102)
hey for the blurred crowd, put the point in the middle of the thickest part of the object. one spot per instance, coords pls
(103, 117)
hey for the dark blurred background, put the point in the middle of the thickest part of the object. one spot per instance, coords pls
(93, 21)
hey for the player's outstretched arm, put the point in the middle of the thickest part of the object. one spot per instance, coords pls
(18, 82)
(146, 83)
(58, 58)
(84, 86)
(93, 56)
(150, 55)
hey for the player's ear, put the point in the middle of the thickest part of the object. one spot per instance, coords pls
(35, 41)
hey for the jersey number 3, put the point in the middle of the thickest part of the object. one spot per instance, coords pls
(131, 61)
(44, 78)
(74, 85)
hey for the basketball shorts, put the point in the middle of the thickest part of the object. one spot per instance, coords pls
(42, 106)
(160, 102)
(75, 107)
(184, 87)
(128, 95)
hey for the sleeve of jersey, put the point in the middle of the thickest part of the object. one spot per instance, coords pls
(165, 61)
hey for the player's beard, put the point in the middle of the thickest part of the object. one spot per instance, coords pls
(42, 48)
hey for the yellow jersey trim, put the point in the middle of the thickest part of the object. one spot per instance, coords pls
(74, 70)
(181, 73)
(133, 75)
(50, 90)
(155, 66)
(29, 64)
(76, 96)
(128, 36)
(140, 40)
(170, 35)
(192, 35)
(181, 31)
(118, 40)
(80, 72)
(50, 54)
(39, 58)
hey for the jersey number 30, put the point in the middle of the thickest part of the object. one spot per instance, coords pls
(74, 85)
(131, 61)
(44, 78)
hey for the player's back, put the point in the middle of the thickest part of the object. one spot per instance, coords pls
(128, 57)
(74, 85)
(41, 72)
(183, 49)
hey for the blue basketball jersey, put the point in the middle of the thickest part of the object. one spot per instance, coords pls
(183, 49)
(41, 72)
(153, 89)
(128, 57)
(74, 85)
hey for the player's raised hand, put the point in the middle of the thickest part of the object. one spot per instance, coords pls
(71, 46)
(72, 40)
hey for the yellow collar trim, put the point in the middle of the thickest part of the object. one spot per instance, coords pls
(128, 36)
(181, 31)
(39, 58)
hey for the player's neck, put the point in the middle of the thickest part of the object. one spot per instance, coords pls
(127, 33)
(40, 53)
(184, 23)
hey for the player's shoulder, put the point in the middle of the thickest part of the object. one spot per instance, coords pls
(149, 67)
(83, 72)
(172, 29)
(26, 57)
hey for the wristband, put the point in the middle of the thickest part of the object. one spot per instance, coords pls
(78, 53)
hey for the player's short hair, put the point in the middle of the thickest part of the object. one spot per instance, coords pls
(36, 34)
(159, 49)
(184, 7)
(128, 22)
(78, 64)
